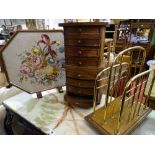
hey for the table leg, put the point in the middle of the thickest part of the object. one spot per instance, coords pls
(8, 123)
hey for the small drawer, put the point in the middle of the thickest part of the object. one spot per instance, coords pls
(82, 62)
(80, 29)
(79, 91)
(82, 36)
(81, 52)
(80, 83)
(80, 75)
(83, 42)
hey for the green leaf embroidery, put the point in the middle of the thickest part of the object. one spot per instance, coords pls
(28, 54)
(23, 61)
(21, 79)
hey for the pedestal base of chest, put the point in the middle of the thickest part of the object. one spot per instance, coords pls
(82, 102)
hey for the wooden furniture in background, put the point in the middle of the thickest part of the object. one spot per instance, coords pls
(108, 48)
(111, 34)
(144, 45)
(133, 32)
(120, 45)
(139, 25)
(84, 46)
(137, 29)
(122, 29)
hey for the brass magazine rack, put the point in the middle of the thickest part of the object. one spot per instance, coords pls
(125, 105)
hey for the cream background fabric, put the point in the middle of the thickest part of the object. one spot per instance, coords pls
(26, 41)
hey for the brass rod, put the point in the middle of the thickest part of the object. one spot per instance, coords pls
(95, 93)
(152, 83)
(141, 100)
(139, 92)
(132, 88)
(132, 103)
(113, 106)
(129, 98)
(140, 105)
(101, 86)
(107, 94)
(121, 112)
(146, 100)
(150, 89)
(102, 79)
(113, 84)
(95, 85)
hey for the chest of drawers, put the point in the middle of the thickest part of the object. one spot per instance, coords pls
(84, 46)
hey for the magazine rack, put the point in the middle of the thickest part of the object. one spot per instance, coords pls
(126, 104)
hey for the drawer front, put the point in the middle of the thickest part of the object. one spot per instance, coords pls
(82, 62)
(83, 42)
(81, 52)
(80, 75)
(82, 30)
(80, 83)
(80, 91)
(82, 36)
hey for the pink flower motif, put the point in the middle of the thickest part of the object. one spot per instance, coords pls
(45, 39)
(31, 74)
(36, 60)
(26, 70)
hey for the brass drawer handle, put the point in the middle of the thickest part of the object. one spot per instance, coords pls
(79, 84)
(80, 63)
(79, 75)
(79, 91)
(79, 52)
(80, 30)
(79, 41)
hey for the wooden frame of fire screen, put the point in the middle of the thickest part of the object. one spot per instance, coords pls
(34, 59)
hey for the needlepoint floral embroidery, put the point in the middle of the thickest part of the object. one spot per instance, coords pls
(41, 63)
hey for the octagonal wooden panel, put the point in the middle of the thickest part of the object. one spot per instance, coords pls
(33, 60)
